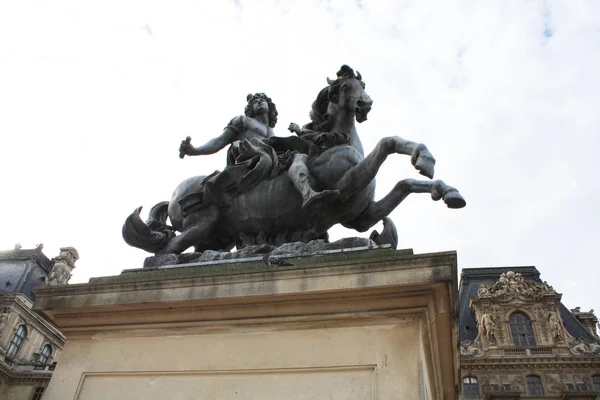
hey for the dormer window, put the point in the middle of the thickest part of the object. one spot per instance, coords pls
(521, 330)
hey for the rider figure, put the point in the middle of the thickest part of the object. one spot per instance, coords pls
(258, 122)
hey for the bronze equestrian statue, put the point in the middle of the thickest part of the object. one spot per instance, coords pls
(258, 198)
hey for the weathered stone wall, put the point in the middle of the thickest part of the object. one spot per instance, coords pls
(338, 326)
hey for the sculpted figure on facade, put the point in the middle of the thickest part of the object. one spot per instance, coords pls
(63, 266)
(483, 291)
(265, 194)
(487, 327)
(3, 320)
(59, 275)
(554, 326)
(553, 385)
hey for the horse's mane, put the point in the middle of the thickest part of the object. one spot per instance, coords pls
(320, 119)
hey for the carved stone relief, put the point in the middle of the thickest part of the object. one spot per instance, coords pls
(512, 287)
(3, 320)
(552, 384)
(470, 348)
(495, 303)
(578, 346)
(555, 327)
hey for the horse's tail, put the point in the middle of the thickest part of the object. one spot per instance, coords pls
(154, 234)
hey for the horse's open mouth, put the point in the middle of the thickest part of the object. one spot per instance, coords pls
(361, 113)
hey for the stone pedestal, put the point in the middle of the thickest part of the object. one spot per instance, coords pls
(372, 324)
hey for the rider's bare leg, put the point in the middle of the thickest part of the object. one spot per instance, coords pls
(197, 227)
(377, 210)
(298, 174)
(363, 173)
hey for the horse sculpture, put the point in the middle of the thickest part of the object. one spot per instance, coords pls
(271, 211)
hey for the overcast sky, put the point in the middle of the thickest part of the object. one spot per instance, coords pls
(95, 97)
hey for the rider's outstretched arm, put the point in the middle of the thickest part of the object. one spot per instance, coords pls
(228, 136)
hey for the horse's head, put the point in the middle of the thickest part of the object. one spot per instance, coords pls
(343, 96)
(347, 93)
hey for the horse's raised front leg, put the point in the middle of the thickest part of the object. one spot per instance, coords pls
(377, 210)
(358, 177)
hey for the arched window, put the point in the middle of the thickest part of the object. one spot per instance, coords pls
(521, 329)
(45, 354)
(37, 395)
(534, 386)
(15, 343)
(470, 387)
(596, 382)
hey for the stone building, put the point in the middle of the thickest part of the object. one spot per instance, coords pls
(30, 346)
(517, 339)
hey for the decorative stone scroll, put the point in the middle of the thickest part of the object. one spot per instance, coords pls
(470, 348)
(581, 347)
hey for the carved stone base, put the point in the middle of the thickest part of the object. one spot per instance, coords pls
(294, 249)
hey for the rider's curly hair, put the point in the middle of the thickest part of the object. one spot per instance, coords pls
(249, 111)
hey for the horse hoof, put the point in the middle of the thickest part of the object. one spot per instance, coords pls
(425, 165)
(453, 199)
(314, 203)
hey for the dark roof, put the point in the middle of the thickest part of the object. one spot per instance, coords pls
(472, 278)
(23, 269)
(28, 254)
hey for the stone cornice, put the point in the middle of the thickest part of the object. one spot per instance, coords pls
(468, 274)
(192, 282)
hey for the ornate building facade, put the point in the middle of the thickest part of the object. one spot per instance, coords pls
(517, 340)
(30, 346)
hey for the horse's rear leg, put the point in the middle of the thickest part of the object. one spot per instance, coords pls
(358, 177)
(377, 210)
(197, 227)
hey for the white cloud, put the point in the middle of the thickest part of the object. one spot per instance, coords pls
(93, 108)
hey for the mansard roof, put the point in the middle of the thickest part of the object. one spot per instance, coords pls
(23, 269)
(471, 279)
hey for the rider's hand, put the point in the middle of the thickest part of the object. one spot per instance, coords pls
(294, 128)
(186, 148)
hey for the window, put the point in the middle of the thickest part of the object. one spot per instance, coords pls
(470, 387)
(579, 383)
(521, 329)
(596, 383)
(37, 395)
(15, 343)
(534, 386)
(45, 354)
